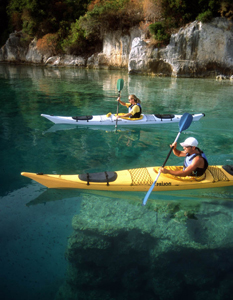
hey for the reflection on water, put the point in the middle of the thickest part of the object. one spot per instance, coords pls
(175, 246)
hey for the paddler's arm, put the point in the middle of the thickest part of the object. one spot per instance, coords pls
(197, 162)
(124, 116)
(125, 104)
(132, 112)
(176, 151)
(121, 102)
(181, 173)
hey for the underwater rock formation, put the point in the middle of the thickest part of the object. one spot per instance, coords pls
(121, 250)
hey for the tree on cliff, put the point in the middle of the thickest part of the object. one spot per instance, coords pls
(78, 26)
(39, 17)
(4, 26)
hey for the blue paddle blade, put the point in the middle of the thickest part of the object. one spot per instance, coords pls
(185, 121)
(120, 84)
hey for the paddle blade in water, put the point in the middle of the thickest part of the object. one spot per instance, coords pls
(150, 190)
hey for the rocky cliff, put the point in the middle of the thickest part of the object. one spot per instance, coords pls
(197, 50)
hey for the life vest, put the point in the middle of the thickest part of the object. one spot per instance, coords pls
(188, 161)
(138, 114)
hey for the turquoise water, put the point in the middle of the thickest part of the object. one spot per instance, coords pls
(36, 222)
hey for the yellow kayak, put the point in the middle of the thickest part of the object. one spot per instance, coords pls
(137, 180)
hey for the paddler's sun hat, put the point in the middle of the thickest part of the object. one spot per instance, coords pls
(191, 141)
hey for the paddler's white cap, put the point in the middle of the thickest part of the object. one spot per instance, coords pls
(191, 141)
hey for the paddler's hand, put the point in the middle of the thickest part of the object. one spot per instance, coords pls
(174, 145)
(164, 171)
(119, 99)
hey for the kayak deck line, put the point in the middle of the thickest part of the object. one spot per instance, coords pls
(136, 180)
(218, 174)
(140, 177)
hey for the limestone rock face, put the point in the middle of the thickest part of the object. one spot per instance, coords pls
(33, 55)
(73, 60)
(117, 46)
(197, 50)
(14, 50)
(119, 250)
(138, 56)
(200, 50)
(97, 61)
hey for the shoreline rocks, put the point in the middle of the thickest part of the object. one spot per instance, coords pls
(197, 50)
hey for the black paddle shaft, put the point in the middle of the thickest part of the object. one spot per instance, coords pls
(119, 94)
(167, 157)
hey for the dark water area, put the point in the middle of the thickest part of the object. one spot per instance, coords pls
(185, 230)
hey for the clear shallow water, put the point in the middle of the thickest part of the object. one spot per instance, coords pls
(34, 229)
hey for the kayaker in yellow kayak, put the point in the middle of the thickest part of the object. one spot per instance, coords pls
(195, 163)
(134, 107)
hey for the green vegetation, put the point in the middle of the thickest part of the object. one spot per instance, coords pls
(78, 26)
(158, 30)
(205, 16)
(4, 28)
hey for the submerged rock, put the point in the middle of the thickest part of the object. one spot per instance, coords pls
(121, 250)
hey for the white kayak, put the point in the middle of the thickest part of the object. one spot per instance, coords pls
(110, 119)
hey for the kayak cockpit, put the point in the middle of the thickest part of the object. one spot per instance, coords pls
(228, 169)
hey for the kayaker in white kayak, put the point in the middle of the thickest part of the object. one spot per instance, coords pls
(195, 163)
(134, 107)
